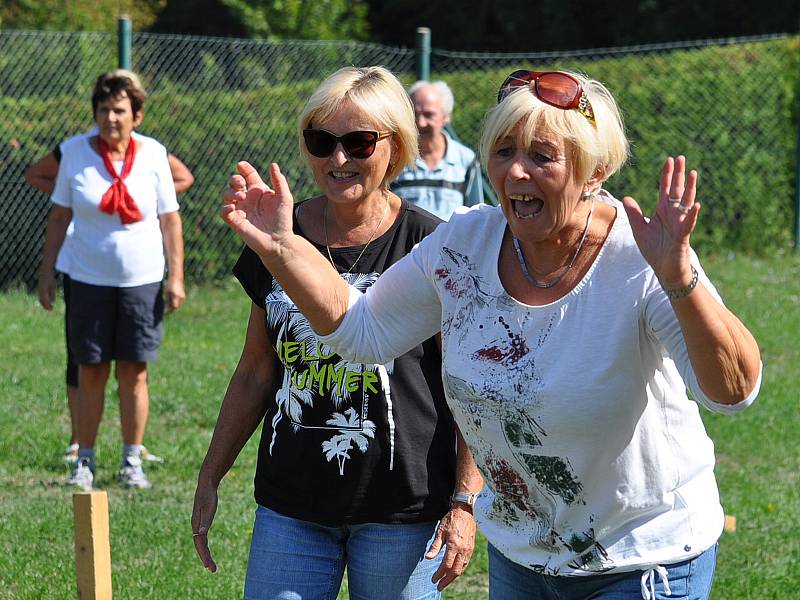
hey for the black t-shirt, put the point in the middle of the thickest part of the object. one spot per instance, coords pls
(351, 443)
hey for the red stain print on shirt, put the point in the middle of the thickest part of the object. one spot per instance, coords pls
(508, 484)
(494, 354)
(516, 349)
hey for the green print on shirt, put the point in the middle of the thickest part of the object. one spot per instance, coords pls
(323, 377)
(331, 378)
(289, 352)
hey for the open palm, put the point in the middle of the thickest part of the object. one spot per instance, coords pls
(261, 215)
(663, 239)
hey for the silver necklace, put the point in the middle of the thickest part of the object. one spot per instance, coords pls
(364, 249)
(548, 284)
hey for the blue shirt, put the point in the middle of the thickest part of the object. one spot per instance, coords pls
(455, 181)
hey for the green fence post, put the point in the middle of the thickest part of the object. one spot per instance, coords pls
(124, 42)
(423, 53)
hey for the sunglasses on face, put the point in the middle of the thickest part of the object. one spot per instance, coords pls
(356, 144)
(551, 87)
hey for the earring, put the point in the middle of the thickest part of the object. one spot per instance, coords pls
(586, 195)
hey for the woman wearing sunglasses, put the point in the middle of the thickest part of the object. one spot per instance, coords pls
(572, 327)
(357, 462)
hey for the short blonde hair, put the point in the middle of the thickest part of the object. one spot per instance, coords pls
(601, 148)
(377, 92)
(137, 83)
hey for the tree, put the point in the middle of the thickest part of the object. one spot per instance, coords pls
(540, 25)
(302, 19)
(77, 15)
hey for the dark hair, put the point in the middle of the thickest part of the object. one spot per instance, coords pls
(112, 85)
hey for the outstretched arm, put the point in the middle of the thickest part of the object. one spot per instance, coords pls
(242, 410)
(262, 216)
(723, 353)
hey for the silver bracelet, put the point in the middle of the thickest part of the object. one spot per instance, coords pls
(684, 291)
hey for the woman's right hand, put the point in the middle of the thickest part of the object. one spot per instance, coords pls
(46, 289)
(260, 215)
(205, 507)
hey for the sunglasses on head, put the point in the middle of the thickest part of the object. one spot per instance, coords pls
(555, 88)
(356, 144)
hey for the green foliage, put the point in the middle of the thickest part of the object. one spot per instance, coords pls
(77, 15)
(547, 25)
(671, 104)
(302, 19)
(731, 110)
(758, 453)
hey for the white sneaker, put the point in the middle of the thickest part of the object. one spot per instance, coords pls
(148, 456)
(132, 475)
(82, 475)
(71, 454)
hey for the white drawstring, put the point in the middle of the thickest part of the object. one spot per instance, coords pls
(649, 579)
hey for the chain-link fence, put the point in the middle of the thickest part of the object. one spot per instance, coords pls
(728, 105)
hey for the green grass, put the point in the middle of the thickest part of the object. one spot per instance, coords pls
(151, 544)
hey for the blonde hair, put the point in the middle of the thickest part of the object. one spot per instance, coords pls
(137, 83)
(601, 148)
(382, 98)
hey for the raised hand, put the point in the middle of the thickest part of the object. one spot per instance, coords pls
(261, 215)
(663, 239)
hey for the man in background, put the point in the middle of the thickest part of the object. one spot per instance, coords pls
(447, 174)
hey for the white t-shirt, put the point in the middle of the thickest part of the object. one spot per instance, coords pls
(103, 251)
(63, 258)
(576, 412)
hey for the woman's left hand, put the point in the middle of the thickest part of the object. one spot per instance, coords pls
(663, 239)
(456, 531)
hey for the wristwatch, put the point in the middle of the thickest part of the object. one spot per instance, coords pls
(463, 498)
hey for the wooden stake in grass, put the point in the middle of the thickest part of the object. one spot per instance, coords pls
(730, 524)
(92, 548)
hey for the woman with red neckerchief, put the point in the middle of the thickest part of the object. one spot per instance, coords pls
(118, 192)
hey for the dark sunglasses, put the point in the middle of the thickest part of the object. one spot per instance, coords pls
(356, 144)
(552, 87)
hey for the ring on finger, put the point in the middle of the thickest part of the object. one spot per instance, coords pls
(195, 534)
(683, 208)
(674, 200)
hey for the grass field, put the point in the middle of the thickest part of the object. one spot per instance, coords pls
(152, 553)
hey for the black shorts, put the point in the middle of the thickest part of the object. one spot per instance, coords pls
(113, 323)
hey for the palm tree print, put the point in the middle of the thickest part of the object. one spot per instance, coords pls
(339, 445)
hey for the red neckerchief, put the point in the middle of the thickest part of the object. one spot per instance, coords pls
(117, 199)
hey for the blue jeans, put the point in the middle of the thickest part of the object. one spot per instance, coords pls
(688, 580)
(292, 559)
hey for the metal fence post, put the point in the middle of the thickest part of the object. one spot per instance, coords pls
(124, 42)
(423, 53)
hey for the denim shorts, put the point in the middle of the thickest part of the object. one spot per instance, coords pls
(113, 323)
(292, 559)
(687, 580)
